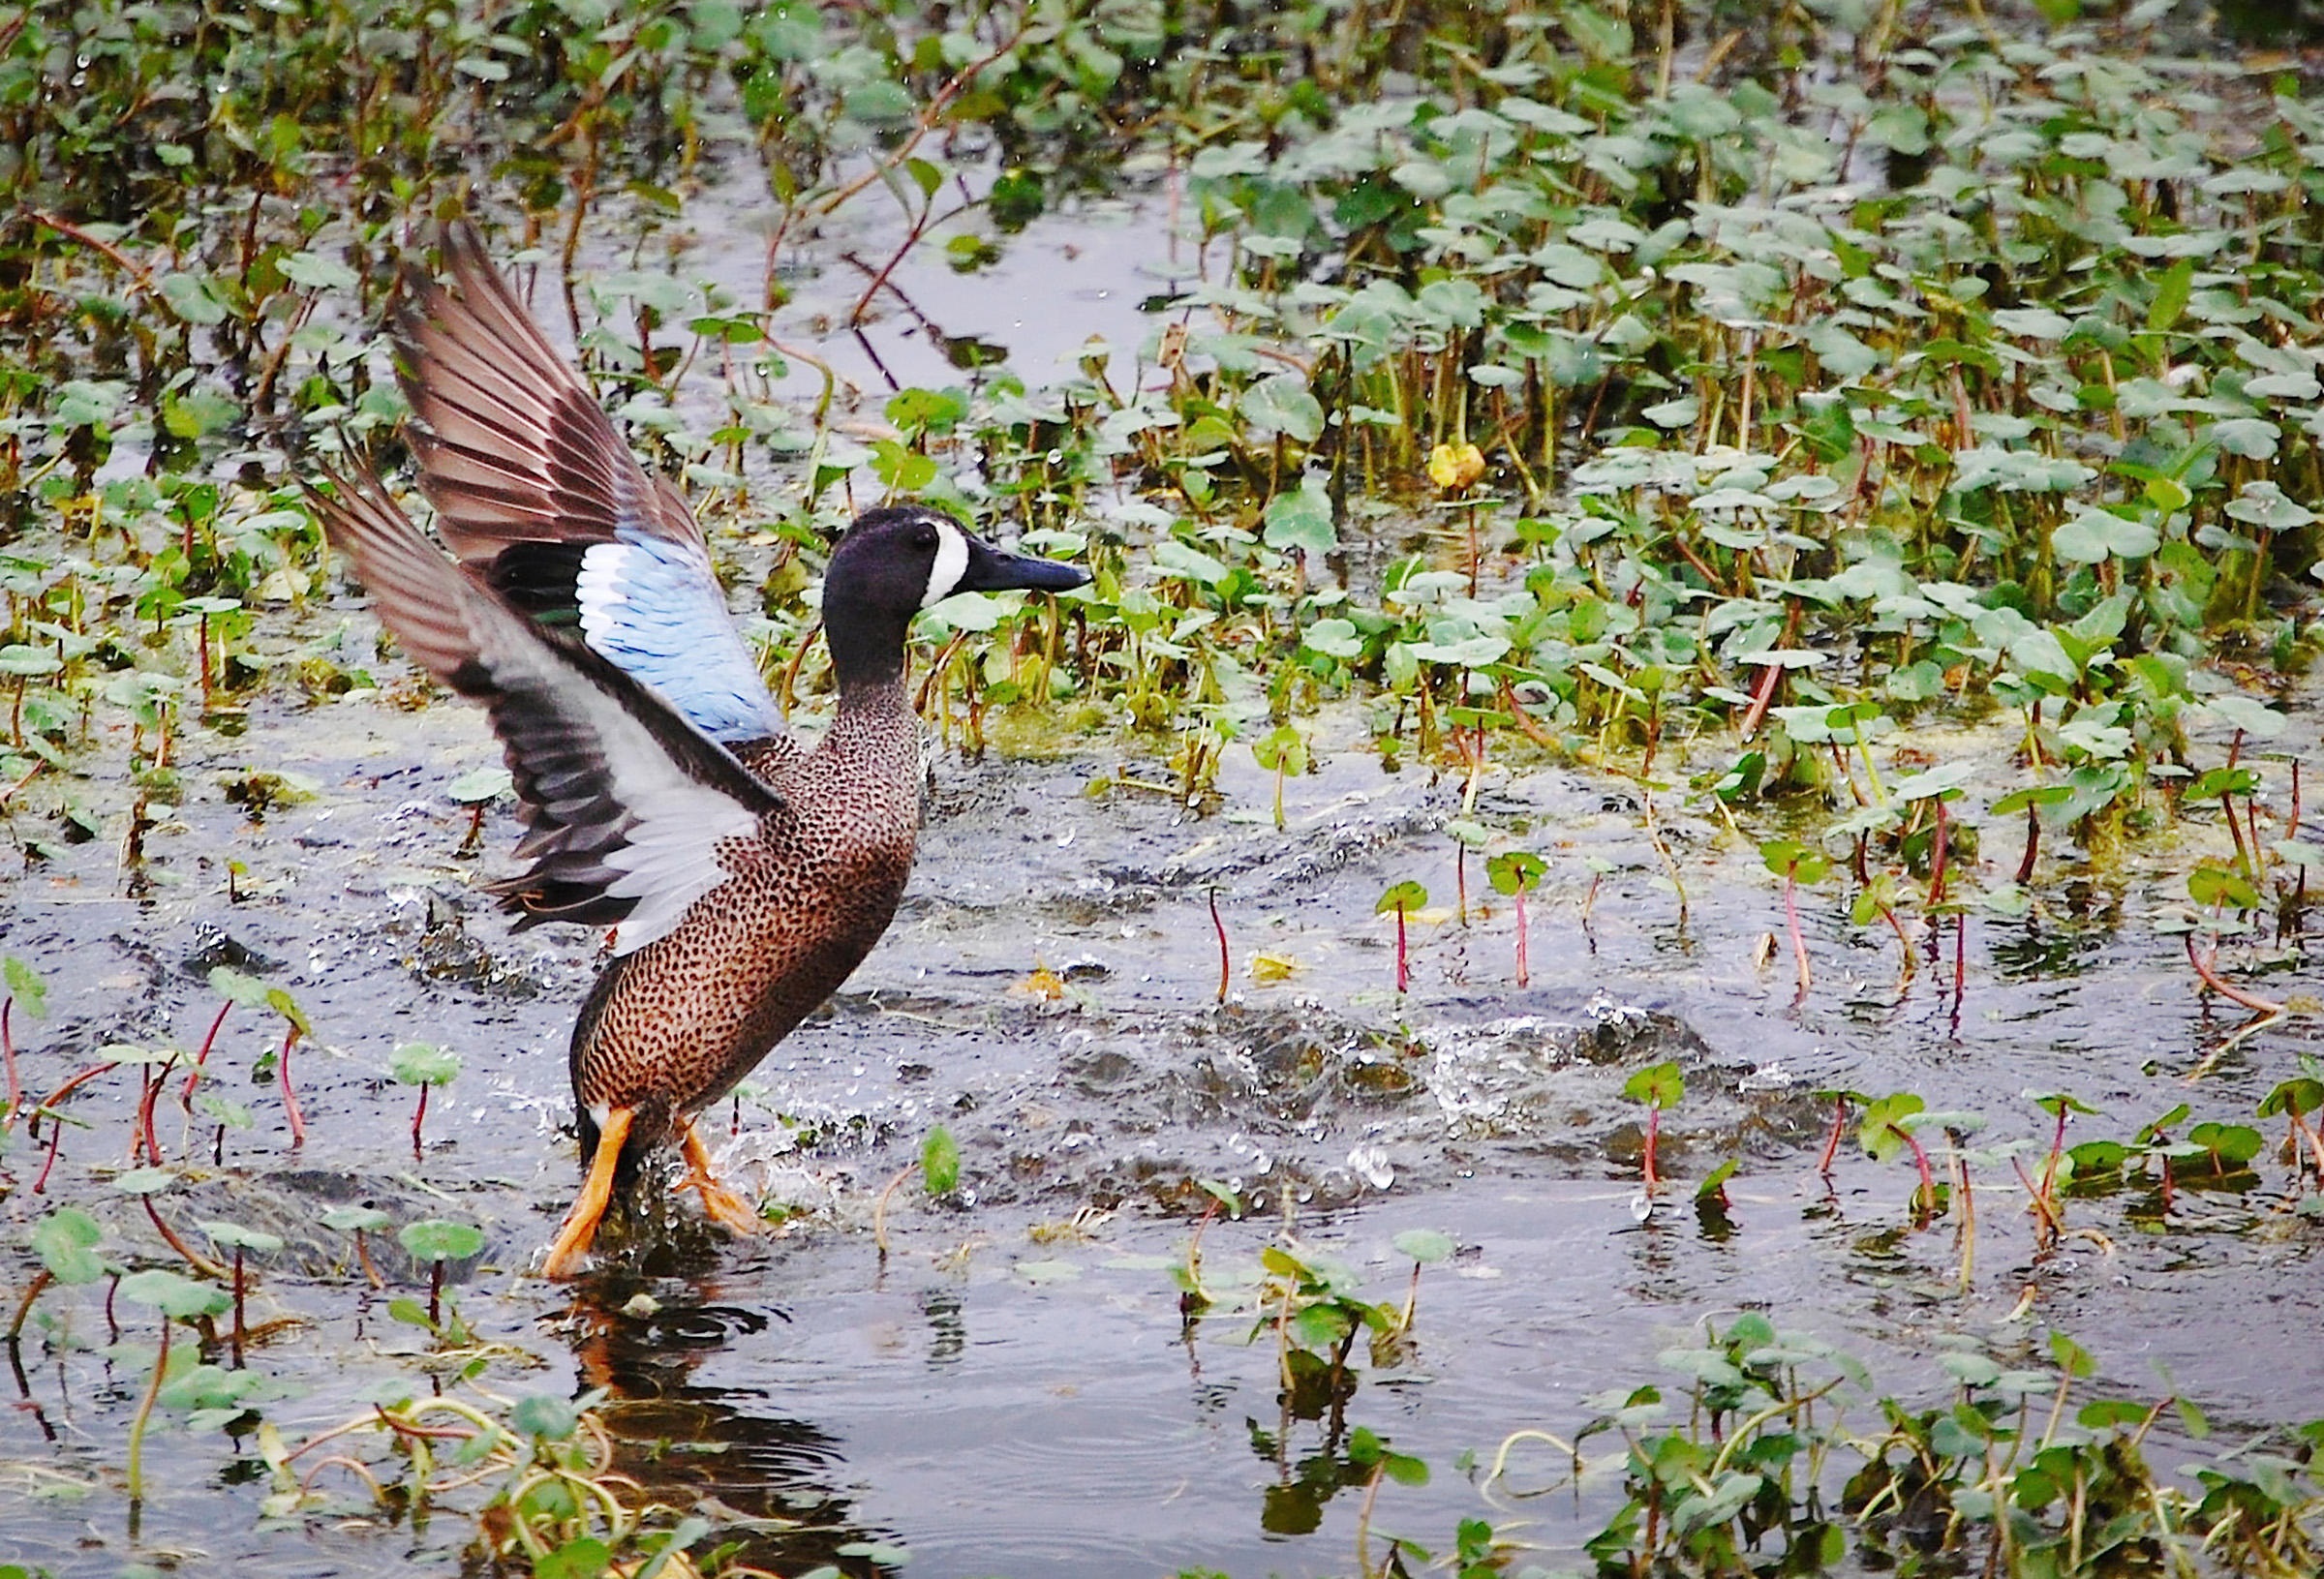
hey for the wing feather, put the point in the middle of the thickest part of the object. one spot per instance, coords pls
(630, 812)
(515, 453)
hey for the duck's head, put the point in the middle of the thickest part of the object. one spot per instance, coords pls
(900, 559)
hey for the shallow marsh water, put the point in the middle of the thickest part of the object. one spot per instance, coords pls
(1014, 1390)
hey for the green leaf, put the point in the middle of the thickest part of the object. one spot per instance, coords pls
(246, 991)
(1302, 520)
(941, 1162)
(1406, 897)
(2093, 536)
(433, 1239)
(234, 1236)
(357, 1220)
(2172, 292)
(25, 987)
(2212, 885)
(545, 1415)
(584, 1557)
(1424, 1245)
(481, 785)
(65, 1241)
(1515, 871)
(174, 1295)
(416, 1063)
(315, 272)
(1281, 404)
(1659, 1086)
(1333, 639)
(144, 1181)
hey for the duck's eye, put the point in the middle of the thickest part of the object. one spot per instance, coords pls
(925, 537)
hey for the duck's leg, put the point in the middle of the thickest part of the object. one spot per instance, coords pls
(719, 1204)
(589, 1207)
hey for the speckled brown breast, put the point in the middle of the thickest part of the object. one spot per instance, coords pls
(676, 1026)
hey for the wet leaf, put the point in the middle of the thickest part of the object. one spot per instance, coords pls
(66, 1240)
(174, 1295)
(433, 1239)
(416, 1063)
(941, 1162)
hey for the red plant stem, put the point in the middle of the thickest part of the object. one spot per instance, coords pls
(1654, 1130)
(238, 1326)
(2204, 968)
(1403, 972)
(1460, 883)
(1960, 955)
(1524, 958)
(1226, 968)
(74, 1084)
(435, 1294)
(1799, 946)
(2025, 868)
(56, 1141)
(185, 1098)
(2049, 1166)
(1937, 860)
(153, 1089)
(363, 1254)
(2235, 829)
(1831, 1142)
(419, 1116)
(201, 1263)
(281, 1070)
(8, 1050)
(1920, 1160)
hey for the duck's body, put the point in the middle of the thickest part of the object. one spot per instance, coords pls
(672, 1028)
(747, 875)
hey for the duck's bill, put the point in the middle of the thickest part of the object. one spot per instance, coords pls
(990, 571)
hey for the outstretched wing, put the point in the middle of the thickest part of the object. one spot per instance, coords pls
(533, 487)
(629, 810)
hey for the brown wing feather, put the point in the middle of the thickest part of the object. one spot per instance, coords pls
(625, 803)
(511, 443)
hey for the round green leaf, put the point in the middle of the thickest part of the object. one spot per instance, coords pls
(174, 1295)
(432, 1239)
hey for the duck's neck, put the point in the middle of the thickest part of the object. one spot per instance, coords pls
(867, 649)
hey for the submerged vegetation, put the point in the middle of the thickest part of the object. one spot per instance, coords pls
(1889, 433)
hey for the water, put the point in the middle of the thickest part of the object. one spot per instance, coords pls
(1014, 1390)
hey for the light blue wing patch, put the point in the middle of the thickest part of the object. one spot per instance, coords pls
(653, 608)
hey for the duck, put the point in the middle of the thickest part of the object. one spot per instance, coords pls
(745, 872)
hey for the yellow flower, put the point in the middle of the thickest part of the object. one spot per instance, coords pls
(1454, 467)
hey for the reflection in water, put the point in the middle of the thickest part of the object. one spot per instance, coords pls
(766, 1479)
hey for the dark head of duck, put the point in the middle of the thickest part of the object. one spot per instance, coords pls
(900, 559)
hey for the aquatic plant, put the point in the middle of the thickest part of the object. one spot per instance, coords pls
(1516, 874)
(1402, 897)
(1658, 1086)
(416, 1063)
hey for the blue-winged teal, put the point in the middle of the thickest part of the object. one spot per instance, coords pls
(747, 874)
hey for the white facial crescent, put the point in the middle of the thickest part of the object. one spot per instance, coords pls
(952, 562)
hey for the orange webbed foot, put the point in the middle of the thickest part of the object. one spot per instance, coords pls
(719, 1204)
(580, 1228)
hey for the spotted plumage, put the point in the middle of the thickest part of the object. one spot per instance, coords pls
(747, 874)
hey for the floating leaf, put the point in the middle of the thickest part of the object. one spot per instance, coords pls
(1424, 1245)
(174, 1294)
(416, 1063)
(432, 1239)
(66, 1240)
